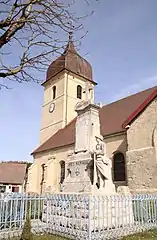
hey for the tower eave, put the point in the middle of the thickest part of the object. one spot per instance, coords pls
(68, 70)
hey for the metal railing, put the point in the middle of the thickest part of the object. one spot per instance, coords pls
(78, 216)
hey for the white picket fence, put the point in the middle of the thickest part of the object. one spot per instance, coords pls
(78, 216)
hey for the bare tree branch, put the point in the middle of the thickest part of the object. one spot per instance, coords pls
(32, 27)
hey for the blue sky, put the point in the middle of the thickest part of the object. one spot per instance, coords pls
(121, 45)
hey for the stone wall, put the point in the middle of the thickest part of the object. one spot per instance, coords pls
(141, 154)
(140, 133)
(141, 170)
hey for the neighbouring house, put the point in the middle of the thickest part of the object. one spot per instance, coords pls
(13, 177)
(128, 126)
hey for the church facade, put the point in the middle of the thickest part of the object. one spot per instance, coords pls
(128, 127)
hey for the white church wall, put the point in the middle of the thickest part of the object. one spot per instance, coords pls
(53, 121)
(52, 171)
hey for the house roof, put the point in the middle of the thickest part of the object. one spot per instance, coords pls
(13, 173)
(114, 117)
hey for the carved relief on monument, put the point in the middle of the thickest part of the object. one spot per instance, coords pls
(82, 105)
(74, 169)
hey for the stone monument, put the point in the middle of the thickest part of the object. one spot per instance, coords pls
(80, 165)
(88, 170)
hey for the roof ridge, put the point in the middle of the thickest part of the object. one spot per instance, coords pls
(140, 108)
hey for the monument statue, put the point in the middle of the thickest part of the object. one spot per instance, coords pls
(101, 164)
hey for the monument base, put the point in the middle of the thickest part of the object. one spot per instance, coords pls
(88, 213)
(110, 211)
(79, 178)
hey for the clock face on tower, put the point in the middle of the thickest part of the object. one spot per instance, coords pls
(51, 107)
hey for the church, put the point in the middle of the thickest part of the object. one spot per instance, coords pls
(128, 127)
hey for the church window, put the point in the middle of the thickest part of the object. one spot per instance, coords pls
(119, 167)
(54, 92)
(62, 171)
(79, 91)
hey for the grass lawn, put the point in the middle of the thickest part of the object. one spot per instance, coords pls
(48, 237)
(149, 235)
(43, 237)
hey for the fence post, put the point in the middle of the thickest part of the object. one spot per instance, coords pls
(47, 210)
(89, 217)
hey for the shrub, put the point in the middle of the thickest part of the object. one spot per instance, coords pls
(26, 232)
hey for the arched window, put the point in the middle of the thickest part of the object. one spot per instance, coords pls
(119, 167)
(62, 171)
(79, 91)
(54, 92)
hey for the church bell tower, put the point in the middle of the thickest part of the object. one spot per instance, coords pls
(68, 81)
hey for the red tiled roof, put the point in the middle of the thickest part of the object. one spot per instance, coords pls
(13, 173)
(113, 119)
(63, 137)
(115, 116)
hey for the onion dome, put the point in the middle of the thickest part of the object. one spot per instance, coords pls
(71, 61)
